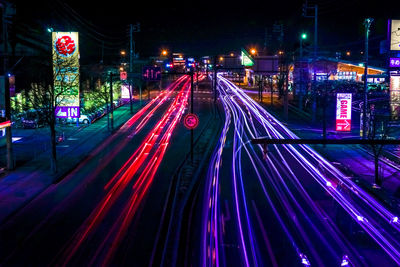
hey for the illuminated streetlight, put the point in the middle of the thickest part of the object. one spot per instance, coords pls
(221, 58)
(348, 53)
(164, 52)
(123, 53)
(303, 37)
(253, 51)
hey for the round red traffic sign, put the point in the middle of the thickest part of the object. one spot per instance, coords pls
(191, 121)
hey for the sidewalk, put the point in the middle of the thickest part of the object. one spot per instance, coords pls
(21, 185)
(354, 161)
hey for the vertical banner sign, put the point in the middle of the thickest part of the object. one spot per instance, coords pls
(125, 91)
(343, 112)
(395, 96)
(66, 74)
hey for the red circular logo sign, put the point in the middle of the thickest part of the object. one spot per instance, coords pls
(65, 46)
(191, 121)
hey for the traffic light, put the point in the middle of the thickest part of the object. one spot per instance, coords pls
(304, 36)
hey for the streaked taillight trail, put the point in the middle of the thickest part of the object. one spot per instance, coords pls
(146, 158)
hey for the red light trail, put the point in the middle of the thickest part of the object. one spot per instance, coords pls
(148, 156)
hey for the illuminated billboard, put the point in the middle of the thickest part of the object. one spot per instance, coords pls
(66, 73)
(395, 35)
(343, 112)
(247, 61)
(125, 91)
(395, 96)
(394, 62)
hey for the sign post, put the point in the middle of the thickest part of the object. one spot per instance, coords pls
(66, 74)
(343, 112)
(191, 121)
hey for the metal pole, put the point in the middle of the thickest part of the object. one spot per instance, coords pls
(324, 103)
(314, 104)
(301, 47)
(191, 91)
(300, 93)
(197, 79)
(7, 104)
(215, 79)
(111, 102)
(130, 68)
(140, 94)
(286, 92)
(191, 111)
(271, 82)
(367, 24)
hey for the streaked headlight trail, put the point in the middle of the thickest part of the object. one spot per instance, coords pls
(290, 178)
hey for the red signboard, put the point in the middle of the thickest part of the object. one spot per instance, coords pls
(65, 46)
(123, 75)
(343, 125)
(191, 121)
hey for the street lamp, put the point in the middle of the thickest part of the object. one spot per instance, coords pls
(164, 53)
(123, 53)
(367, 24)
(303, 37)
(253, 51)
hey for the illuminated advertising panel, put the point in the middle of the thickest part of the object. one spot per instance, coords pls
(125, 91)
(394, 62)
(395, 96)
(395, 35)
(246, 60)
(66, 73)
(343, 112)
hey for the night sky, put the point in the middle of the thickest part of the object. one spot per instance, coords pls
(208, 27)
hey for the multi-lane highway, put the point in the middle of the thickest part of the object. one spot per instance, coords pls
(284, 205)
(139, 199)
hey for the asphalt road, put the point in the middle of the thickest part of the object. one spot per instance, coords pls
(107, 211)
(288, 207)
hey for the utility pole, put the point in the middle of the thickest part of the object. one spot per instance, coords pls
(111, 103)
(8, 10)
(301, 72)
(367, 24)
(286, 92)
(215, 79)
(191, 111)
(132, 29)
(315, 7)
(130, 65)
